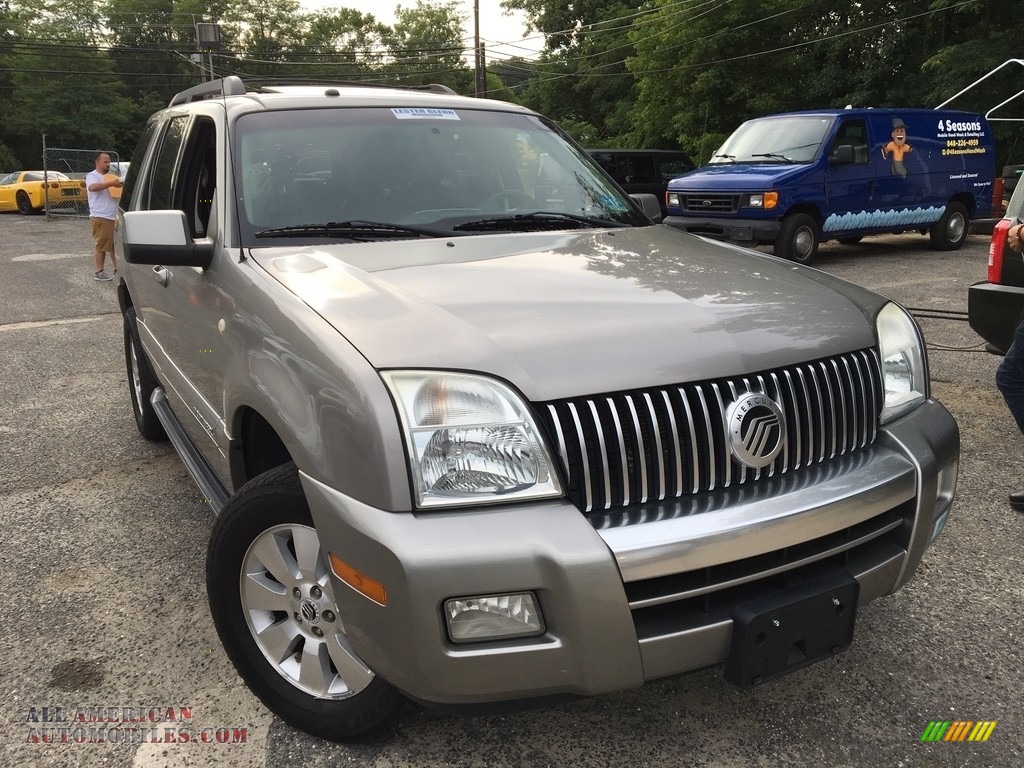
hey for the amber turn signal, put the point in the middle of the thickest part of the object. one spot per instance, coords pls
(360, 582)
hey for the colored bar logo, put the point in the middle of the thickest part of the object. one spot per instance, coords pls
(958, 730)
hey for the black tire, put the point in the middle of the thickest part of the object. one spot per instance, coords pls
(24, 204)
(269, 514)
(141, 381)
(849, 240)
(950, 232)
(798, 238)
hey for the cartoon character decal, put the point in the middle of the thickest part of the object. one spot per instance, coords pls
(898, 147)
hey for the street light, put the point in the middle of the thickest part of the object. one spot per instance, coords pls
(208, 40)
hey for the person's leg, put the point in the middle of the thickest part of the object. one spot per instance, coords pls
(103, 237)
(1010, 377)
(97, 244)
(1010, 381)
(105, 240)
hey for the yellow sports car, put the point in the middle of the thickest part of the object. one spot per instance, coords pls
(29, 191)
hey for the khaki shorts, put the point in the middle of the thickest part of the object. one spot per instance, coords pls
(103, 235)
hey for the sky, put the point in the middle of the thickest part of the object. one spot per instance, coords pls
(495, 26)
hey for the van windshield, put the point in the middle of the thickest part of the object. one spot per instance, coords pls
(795, 139)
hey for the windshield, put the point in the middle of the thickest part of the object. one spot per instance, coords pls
(774, 140)
(378, 173)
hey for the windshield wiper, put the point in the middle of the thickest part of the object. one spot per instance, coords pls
(728, 157)
(541, 220)
(356, 229)
(775, 155)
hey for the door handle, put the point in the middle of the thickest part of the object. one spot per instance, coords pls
(161, 275)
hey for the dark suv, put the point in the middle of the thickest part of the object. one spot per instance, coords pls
(643, 170)
(477, 431)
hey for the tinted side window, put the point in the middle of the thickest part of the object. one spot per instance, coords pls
(132, 180)
(607, 161)
(161, 178)
(196, 180)
(641, 169)
(853, 133)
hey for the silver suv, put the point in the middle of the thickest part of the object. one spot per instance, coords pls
(476, 431)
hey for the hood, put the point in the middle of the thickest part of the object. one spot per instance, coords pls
(560, 314)
(738, 177)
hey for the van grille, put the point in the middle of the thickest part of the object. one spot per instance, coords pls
(649, 445)
(705, 203)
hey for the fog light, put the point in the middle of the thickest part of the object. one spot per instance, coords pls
(493, 617)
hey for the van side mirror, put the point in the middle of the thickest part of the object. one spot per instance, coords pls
(843, 155)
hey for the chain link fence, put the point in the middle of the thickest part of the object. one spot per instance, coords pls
(62, 165)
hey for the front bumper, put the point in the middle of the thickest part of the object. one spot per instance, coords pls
(744, 231)
(634, 596)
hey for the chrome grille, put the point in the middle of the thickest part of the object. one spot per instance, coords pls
(649, 445)
(698, 203)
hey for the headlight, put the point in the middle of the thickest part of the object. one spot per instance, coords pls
(765, 200)
(904, 369)
(471, 440)
(672, 200)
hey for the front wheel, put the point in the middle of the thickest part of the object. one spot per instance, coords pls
(274, 609)
(952, 229)
(141, 381)
(798, 238)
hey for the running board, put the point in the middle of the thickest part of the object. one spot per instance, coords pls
(196, 464)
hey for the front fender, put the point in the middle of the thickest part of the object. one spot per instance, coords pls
(326, 403)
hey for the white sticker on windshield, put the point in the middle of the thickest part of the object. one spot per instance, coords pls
(423, 113)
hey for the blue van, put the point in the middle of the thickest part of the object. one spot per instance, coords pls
(795, 179)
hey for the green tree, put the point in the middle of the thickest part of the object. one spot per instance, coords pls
(349, 36)
(425, 45)
(582, 79)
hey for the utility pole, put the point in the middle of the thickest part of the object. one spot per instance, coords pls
(478, 51)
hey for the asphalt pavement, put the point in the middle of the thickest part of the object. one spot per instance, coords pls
(106, 634)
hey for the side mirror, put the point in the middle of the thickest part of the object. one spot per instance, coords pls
(649, 205)
(162, 237)
(843, 155)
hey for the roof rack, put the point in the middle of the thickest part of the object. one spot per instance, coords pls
(214, 89)
(432, 87)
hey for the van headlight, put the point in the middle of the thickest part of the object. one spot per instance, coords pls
(470, 440)
(764, 200)
(904, 367)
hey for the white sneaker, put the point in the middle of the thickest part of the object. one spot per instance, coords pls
(102, 276)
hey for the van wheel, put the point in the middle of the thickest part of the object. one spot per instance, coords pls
(798, 239)
(951, 230)
(274, 608)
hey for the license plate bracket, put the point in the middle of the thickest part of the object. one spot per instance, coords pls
(778, 634)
